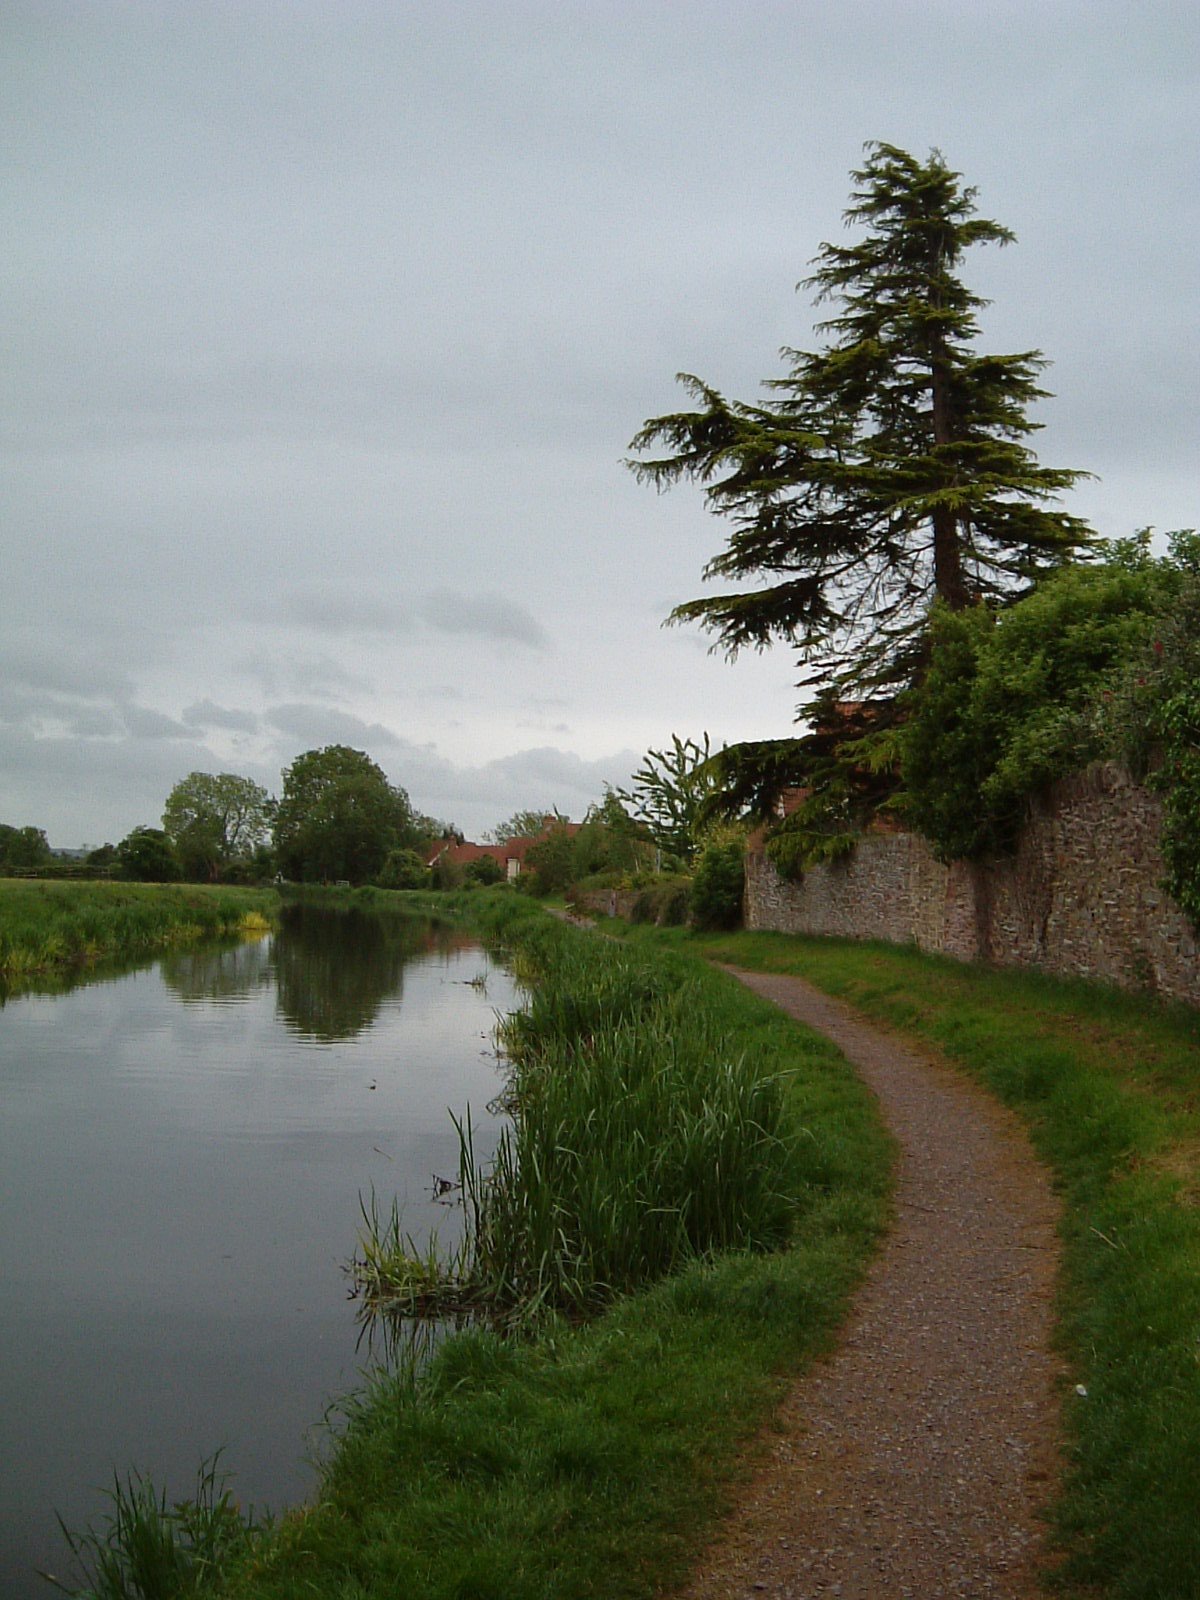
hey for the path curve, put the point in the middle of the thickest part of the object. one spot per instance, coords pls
(916, 1459)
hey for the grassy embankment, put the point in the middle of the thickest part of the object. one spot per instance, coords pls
(1109, 1085)
(655, 1313)
(48, 927)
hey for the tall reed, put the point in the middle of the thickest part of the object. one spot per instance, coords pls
(151, 1550)
(643, 1136)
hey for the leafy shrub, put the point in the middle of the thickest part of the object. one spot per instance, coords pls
(1150, 721)
(147, 856)
(485, 871)
(1179, 780)
(553, 859)
(719, 882)
(999, 713)
(642, 910)
(446, 874)
(677, 905)
(22, 849)
(403, 869)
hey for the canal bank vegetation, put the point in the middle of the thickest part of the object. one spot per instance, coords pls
(652, 1127)
(48, 927)
(1106, 1082)
(584, 1441)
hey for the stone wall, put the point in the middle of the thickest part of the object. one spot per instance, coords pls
(1081, 896)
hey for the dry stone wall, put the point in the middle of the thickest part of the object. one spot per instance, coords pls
(1081, 896)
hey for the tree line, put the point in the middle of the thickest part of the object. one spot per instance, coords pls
(339, 818)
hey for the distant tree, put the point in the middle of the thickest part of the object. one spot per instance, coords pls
(215, 820)
(22, 849)
(529, 824)
(429, 831)
(669, 793)
(148, 856)
(339, 817)
(891, 467)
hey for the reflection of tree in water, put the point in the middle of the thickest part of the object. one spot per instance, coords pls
(334, 969)
(217, 972)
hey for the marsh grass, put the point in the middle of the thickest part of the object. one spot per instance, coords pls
(49, 926)
(150, 1550)
(397, 1277)
(1109, 1085)
(644, 1134)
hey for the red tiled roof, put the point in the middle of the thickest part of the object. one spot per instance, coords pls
(514, 850)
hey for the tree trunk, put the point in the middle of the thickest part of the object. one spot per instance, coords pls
(948, 579)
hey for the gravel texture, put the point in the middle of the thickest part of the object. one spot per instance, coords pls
(918, 1458)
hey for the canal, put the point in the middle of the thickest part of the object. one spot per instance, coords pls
(182, 1153)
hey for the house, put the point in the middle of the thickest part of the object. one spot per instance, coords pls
(510, 855)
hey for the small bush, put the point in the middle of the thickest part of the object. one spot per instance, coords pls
(486, 871)
(404, 869)
(719, 884)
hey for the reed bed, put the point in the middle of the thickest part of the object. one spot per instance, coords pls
(644, 1135)
(50, 926)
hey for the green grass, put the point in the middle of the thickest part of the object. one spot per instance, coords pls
(590, 1457)
(1109, 1086)
(48, 927)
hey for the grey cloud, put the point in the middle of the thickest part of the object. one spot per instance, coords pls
(94, 723)
(476, 798)
(331, 611)
(299, 675)
(125, 782)
(144, 723)
(489, 615)
(317, 725)
(68, 670)
(486, 616)
(293, 422)
(205, 714)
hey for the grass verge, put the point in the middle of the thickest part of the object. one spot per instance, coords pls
(1109, 1086)
(48, 926)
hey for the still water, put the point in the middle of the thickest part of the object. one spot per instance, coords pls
(182, 1151)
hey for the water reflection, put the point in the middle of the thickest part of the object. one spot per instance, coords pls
(218, 972)
(334, 969)
(64, 980)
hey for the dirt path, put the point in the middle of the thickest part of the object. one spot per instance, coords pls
(915, 1460)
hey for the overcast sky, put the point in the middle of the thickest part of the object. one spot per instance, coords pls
(326, 328)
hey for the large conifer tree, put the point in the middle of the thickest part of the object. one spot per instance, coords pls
(886, 469)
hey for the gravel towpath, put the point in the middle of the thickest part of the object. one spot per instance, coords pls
(916, 1460)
